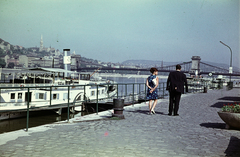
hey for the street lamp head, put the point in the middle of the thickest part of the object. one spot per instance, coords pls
(223, 44)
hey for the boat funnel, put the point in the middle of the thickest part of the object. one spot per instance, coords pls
(66, 61)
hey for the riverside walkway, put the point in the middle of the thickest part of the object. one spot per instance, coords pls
(197, 131)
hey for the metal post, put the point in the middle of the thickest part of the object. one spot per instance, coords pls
(108, 89)
(84, 93)
(133, 93)
(139, 89)
(97, 100)
(117, 91)
(125, 90)
(68, 102)
(163, 90)
(50, 96)
(28, 109)
(13, 78)
(145, 94)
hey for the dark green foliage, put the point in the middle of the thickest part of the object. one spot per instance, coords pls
(11, 65)
(2, 63)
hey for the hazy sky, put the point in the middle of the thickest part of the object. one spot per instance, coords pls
(119, 30)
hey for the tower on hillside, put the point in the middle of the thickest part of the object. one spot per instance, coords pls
(41, 44)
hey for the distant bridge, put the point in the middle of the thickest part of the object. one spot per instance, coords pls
(191, 67)
(161, 70)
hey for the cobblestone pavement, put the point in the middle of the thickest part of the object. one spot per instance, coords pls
(198, 131)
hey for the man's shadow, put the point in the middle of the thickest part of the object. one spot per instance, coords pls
(214, 125)
(231, 98)
(233, 148)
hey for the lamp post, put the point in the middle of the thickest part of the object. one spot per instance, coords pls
(230, 68)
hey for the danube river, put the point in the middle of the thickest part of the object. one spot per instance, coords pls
(123, 79)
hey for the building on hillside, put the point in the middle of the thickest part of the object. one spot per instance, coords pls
(13, 60)
(23, 60)
(75, 61)
(93, 66)
(56, 62)
(129, 66)
(42, 62)
(115, 66)
(55, 53)
(31, 57)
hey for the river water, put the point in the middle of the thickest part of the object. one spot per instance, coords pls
(51, 117)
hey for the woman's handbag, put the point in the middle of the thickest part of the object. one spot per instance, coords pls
(154, 81)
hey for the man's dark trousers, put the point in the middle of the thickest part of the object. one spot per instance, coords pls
(174, 98)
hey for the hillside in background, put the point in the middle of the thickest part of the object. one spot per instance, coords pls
(14, 51)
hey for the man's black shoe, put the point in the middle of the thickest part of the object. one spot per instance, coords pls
(169, 114)
(176, 114)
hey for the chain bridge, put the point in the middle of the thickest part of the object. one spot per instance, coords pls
(195, 67)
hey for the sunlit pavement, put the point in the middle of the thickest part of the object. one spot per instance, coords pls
(197, 131)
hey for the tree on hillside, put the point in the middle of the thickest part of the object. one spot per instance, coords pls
(2, 63)
(2, 54)
(11, 47)
(5, 43)
(11, 65)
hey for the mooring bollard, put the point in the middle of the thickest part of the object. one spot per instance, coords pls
(229, 85)
(118, 108)
(205, 90)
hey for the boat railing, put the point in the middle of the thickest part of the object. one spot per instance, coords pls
(16, 85)
(132, 92)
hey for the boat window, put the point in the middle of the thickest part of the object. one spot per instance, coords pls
(41, 96)
(19, 95)
(92, 93)
(12, 95)
(102, 91)
(55, 96)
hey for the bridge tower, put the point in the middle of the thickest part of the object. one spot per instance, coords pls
(195, 65)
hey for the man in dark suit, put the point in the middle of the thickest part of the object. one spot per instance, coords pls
(175, 85)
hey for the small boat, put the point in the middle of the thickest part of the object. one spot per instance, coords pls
(48, 89)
